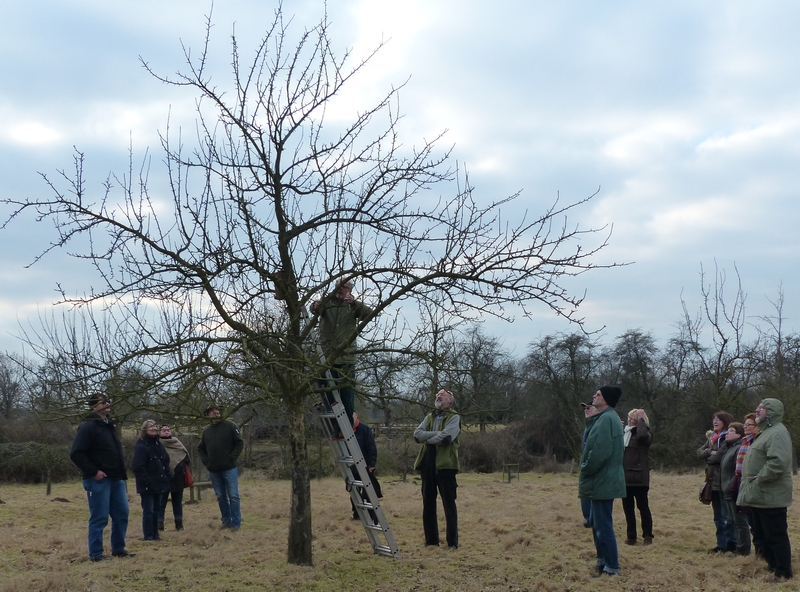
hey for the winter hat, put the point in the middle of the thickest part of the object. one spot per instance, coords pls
(611, 395)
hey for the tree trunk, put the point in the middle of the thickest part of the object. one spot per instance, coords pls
(299, 549)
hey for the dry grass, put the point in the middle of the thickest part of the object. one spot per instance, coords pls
(523, 536)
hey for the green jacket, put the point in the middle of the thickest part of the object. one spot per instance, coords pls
(602, 476)
(338, 323)
(767, 467)
(444, 436)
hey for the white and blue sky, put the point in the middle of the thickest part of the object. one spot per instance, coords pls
(685, 114)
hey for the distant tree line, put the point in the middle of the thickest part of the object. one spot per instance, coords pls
(707, 365)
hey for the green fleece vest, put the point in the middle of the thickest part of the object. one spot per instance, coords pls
(446, 454)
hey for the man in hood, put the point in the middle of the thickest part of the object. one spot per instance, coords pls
(767, 487)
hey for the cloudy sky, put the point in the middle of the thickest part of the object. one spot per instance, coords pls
(685, 114)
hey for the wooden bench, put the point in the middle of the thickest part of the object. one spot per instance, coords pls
(200, 486)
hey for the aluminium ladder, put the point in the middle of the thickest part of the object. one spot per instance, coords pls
(347, 454)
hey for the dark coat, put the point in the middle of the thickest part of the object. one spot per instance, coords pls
(366, 441)
(150, 465)
(97, 447)
(220, 446)
(728, 468)
(635, 460)
(713, 453)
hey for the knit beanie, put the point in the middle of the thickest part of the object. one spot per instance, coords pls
(611, 395)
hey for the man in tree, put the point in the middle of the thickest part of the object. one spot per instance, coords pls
(338, 327)
(767, 487)
(437, 461)
(602, 478)
(97, 452)
(219, 448)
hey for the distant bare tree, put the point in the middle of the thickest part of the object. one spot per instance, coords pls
(274, 204)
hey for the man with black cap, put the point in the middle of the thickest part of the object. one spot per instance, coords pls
(219, 448)
(602, 478)
(97, 452)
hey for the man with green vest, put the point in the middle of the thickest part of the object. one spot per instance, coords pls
(437, 462)
(602, 478)
(767, 488)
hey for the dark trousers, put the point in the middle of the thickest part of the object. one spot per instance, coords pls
(637, 494)
(770, 533)
(742, 526)
(376, 487)
(150, 503)
(177, 506)
(442, 482)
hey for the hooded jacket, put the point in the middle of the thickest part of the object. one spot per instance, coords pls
(767, 466)
(602, 476)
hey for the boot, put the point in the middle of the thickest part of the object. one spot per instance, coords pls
(160, 526)
(179, 525)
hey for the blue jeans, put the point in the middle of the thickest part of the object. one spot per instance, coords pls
(107, 498)
(605, 541)
(226, 488)
(726, 533)
(586, 508)
(150, 504)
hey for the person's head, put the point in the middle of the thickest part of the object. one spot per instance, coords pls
(750, 424)
(769, 412)
(589, 410)
(635, 414)
(100, 404)
(149, 429)
(165, 431)
(213, 412)
(344, 290)
(735, 431)
(721, 421)
(444, 400)
(606, 396)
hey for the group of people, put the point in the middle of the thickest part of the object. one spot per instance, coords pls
(160, 465)
(749, 473)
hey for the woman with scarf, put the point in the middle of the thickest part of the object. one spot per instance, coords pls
(151, 466)
(730, 487)
(637, 439)
(178, 461)
(751, 432)
(713, 451)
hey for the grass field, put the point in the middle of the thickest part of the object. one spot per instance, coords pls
(527, 535)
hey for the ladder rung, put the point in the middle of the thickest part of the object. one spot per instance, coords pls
(364, 505)
(377, 527)
(384, 550)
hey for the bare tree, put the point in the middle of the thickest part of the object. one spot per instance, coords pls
(724, 364)
(271, 207)
(562, 372)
